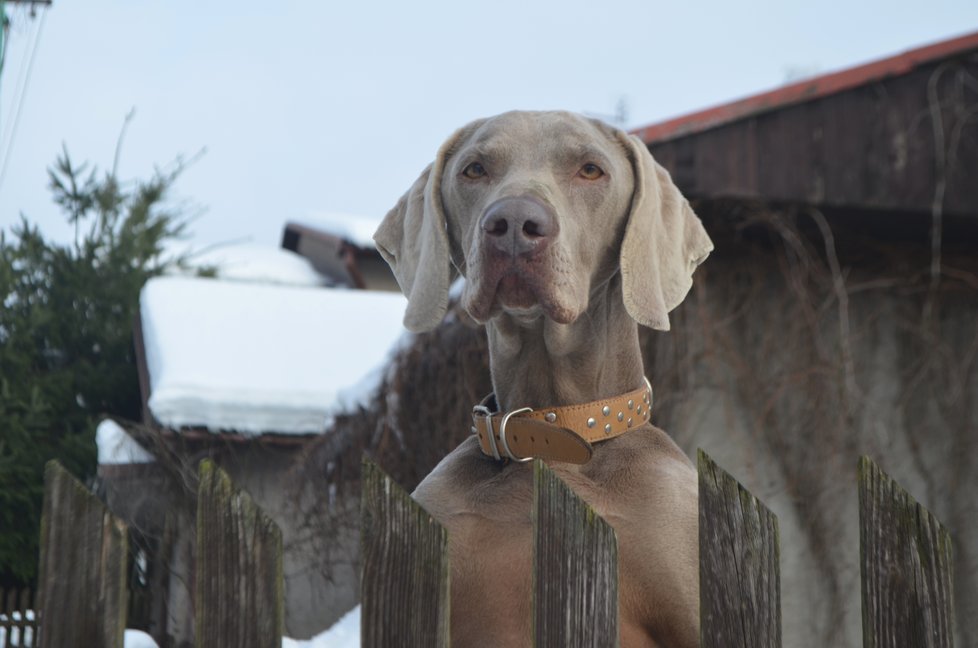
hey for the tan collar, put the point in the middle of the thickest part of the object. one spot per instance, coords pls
(559, 433)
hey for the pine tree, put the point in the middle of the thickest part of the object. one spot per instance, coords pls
(66, 351)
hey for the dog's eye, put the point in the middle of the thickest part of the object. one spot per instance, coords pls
(474, 171)
(590, 171)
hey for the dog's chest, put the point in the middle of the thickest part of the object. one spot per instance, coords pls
(488, 515)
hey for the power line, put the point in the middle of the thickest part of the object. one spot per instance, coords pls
(4, 29)
(5, 22)
(20, 99)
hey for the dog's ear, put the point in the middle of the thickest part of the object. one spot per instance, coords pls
(664, 242)
(413, 240)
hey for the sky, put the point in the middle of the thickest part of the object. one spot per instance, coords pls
(306, 108)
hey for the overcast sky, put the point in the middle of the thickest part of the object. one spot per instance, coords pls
(336, 107)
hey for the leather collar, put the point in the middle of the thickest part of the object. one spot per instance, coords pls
(559, 433)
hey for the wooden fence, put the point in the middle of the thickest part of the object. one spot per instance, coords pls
(84, 559)
(905, 557)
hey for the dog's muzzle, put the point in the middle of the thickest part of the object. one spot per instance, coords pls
(518, 226)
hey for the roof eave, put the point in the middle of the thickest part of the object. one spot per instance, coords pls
(805, 90)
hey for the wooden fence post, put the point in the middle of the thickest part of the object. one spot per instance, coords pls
(404, 568)
(905, 564)
(575, 568)
(740, 578)
(239, 585)
(84, 555)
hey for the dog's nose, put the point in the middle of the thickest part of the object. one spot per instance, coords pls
(519, 225)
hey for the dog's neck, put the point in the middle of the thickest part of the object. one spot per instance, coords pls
(542, 363)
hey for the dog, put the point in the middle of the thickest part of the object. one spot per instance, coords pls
(568, 235)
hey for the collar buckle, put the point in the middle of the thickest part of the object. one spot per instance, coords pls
(502, 435)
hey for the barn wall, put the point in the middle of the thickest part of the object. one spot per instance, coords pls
(786, 372)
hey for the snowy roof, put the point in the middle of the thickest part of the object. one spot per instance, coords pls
(117, 447)
(351, 227)
(254, 358)
(250, 262)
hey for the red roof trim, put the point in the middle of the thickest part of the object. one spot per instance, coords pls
(806, 90)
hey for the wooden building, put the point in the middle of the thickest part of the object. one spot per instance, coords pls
(838, 316)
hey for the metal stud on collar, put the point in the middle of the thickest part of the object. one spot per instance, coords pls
(648, 397)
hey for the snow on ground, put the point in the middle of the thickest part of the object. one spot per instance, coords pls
(249, 262)
(27, 640)
(138, 639)
(353, 228)
(117, 447)
(259, 358)
(345, 633)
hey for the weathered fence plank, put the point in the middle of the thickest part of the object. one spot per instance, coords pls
(906, 566)
(404, 568)
(740, 578)
(575, 574)
(240, 584)
(84, 554)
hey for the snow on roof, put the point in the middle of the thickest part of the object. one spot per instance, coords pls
(254, 358)
(355, 229)
(117, 447)
(250, 262)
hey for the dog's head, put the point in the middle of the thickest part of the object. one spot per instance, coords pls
(538, 210)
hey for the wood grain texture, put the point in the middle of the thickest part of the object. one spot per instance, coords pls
(740, 578)
(84, 554)
(404, 568)
(906, 566)
(575, 574)
(239, 579)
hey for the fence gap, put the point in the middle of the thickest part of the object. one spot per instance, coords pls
(575, 573)
(740, 578)
(82, 576)
(239, 582)
(404, 568)
(906, 566)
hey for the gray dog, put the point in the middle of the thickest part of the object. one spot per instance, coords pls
(567, 233)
